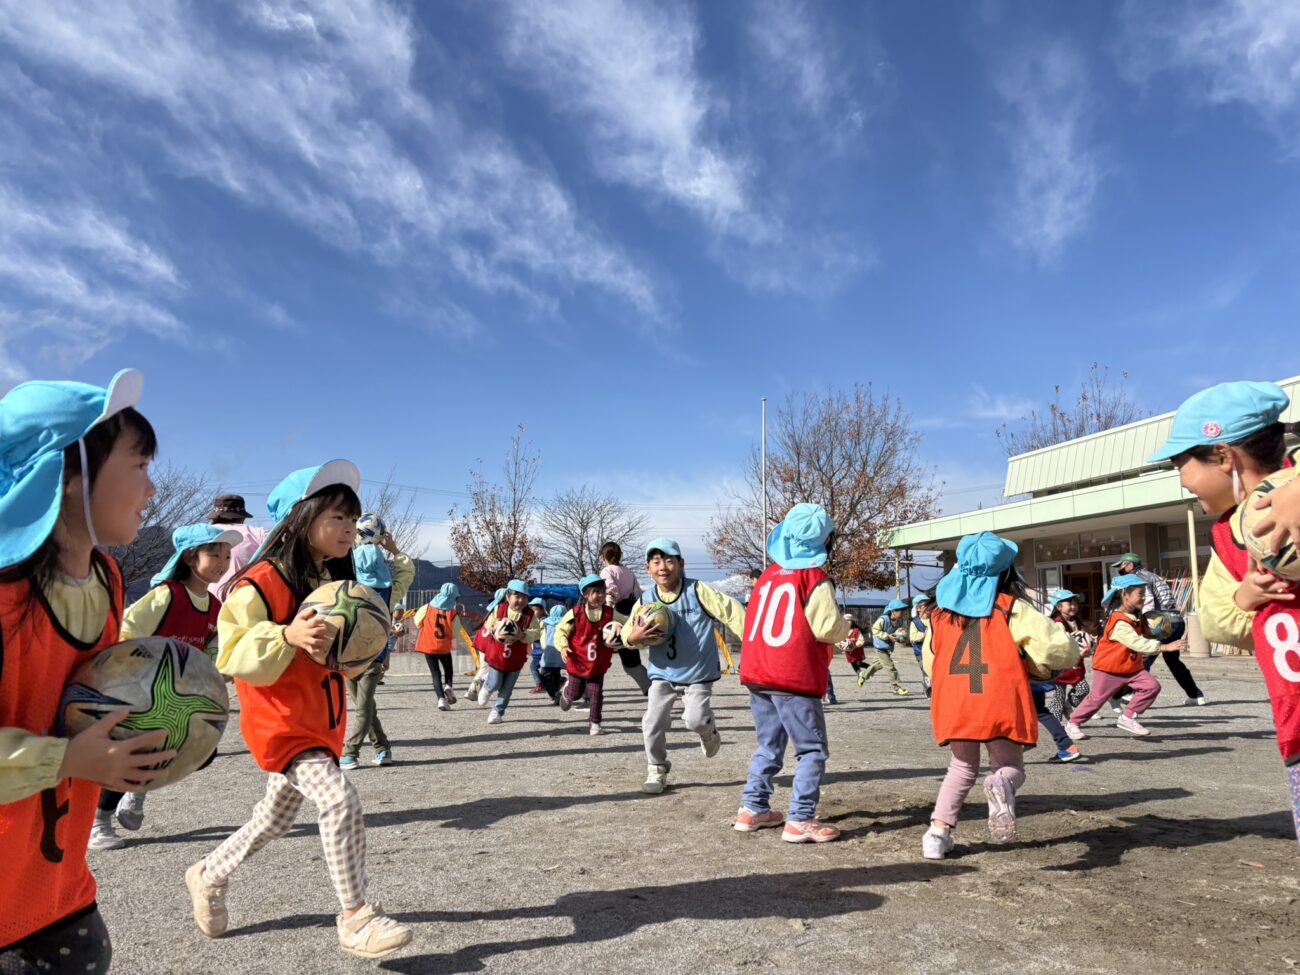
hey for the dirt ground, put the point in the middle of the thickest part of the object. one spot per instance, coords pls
(528, 846)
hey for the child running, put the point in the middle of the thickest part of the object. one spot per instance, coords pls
(478, 647)
(791, 627)
(509, 632)
(535, 659)
(889, 630)
(684, 660)
(580, 638)
(622, 591)
(551, 665)
(1117, 664)
(435, 624)
(179, 606)
(75, 459)
(983, 641)
(1224, 441)
(922, 606)
(854, 646)
(293, 710)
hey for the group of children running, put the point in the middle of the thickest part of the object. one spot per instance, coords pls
(74, 462)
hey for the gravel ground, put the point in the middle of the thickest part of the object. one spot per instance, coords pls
(528, 846)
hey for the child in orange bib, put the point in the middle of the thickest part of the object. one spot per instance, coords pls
(982, 641)
(293, 710)
(435, 626)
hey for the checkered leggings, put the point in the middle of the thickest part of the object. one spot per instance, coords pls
(315, 776)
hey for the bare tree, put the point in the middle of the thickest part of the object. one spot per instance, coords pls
(853, 453)
(398, 510)
(1098, 407)
(182, 498)
(575, 524)
(491, 537)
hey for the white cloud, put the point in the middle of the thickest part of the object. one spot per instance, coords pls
(984, 405)
(1245, 52)
(308, 109)
(1055, 167)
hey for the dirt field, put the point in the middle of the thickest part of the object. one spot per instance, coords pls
(528, 846)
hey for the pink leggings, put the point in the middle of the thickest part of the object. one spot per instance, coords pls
(1105, 686)
(1006, 758)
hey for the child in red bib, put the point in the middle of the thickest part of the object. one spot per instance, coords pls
(74, 475)
(791, 627)
(179, 606)
(979, 649)
(581, 641)
(293, 709)
(508, 634)
(1224, 442)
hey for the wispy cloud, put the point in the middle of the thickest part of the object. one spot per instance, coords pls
(984, 405)
(1056, 168)
(1244, 52)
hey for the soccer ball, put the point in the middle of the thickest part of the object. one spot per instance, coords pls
(359, 619)
(1161, 626)
(1286, 564)
(612, 634)
(507, 631)
(167, 684)
(656, 614)
(371, 528)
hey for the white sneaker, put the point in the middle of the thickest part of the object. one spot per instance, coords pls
(595, 729)
(370, 933)
(104, 837)
(1115, 708)
(563, 701)
(1197, 701)
(1131, 725)
(1002, 809)
(471, 692)
(448, 693)
(443, 705)
(485, 695)
(936, 843)
(209, 902)
(656, 779)
(130, 811)
(710, 743)
(1074, 731)
(495, 717)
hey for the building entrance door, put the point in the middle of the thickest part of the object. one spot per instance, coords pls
(1085, 580)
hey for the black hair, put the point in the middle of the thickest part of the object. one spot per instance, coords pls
(612, 553)
(287, 548)
(1266, 447)
(100, 440)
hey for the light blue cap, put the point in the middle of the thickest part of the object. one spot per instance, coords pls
(38, 420)
(555, 615)
(895, 604)
(1059, 596)
(539, 601)
(920, 598)
(1224, 413)
(371, 568)
(589, 580)
(799, 541)
(517, 585)
(447, 596)
(1119, 583)
(971, 587)
(187, 537)
(665, 545)
(497, 596)
(302, 484)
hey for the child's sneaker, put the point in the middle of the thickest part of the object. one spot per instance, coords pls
(103, 836)
(485, 695)
(710, 742)
(383, 757)
(1002, 809)
(1196, 701)
(130, 811)
(370, 933)
(443, 705)
(1131, 725)
(209, 902)
(1068, 754)
(495, 717)
(862, 677)
(899, 689)
(656, 779)
(448, 693)
(595, 729)
(936, 843)
(749, 822)
(808, 831)
(347, 763)
(563, 701)
(471, 692)
(1074, 731)
(537, 689)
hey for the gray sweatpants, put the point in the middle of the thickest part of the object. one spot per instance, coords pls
(698, 715)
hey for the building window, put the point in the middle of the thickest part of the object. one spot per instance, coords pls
(1103, 543)
(1061, 548)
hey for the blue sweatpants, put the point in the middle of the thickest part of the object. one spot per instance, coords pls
(503, 683)
(781, 719)
(1046, 718)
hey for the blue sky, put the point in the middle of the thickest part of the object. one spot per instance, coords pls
(394, 231)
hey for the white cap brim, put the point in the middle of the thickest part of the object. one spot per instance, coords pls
(123, 393)
(334, 472)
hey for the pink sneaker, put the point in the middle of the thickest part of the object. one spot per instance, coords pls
(748, 822)
(808, 831)
(1002, 809)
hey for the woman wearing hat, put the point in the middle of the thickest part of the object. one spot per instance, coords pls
(984, 640)
(230, 513)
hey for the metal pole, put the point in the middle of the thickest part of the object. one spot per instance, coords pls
(898, 578)
(762, 536)
(1191, 552)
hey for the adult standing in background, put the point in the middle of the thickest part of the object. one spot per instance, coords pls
(228, 510)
